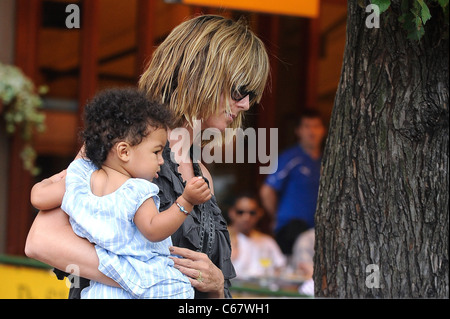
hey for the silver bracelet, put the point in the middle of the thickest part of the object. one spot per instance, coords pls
(182, 209)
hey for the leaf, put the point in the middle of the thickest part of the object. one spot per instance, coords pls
(443, 3)
(416, 32)
(383, 5)
(415, 13)
(18, 93)
(412, 23)
(416, 35)
(425, 14)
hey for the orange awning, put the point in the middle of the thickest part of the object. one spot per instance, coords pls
(303, 8)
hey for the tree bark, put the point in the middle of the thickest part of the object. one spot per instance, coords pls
(382, 215)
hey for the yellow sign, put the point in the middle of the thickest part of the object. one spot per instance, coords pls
(303, 8)
(20, 282)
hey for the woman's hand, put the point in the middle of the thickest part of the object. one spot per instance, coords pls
(201, 271)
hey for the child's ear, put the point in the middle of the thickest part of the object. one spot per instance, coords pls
(123, 151)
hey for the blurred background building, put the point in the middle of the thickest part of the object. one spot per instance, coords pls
(111, 48)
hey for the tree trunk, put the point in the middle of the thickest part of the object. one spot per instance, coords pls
(382, 215)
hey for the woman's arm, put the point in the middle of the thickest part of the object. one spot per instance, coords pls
(51, 240)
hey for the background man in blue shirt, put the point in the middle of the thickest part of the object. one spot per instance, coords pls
(290, 194)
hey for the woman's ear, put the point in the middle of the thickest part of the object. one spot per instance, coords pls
(123, 151)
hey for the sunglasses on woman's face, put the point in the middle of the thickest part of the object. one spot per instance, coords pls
(241, 212)
(238, 95)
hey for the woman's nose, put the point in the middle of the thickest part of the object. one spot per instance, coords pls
(244, 104)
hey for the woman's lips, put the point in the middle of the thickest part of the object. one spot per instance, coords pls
(231, 116)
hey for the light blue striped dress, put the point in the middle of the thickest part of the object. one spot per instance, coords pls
(140, 266)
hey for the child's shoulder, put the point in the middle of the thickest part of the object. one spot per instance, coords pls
(81, 163)
(142, 185)
(80, 168)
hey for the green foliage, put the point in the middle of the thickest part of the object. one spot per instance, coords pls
(21, 105)
(415, 14)
(382, 4)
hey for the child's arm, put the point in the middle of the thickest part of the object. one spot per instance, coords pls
(158, 226)
(48, 193)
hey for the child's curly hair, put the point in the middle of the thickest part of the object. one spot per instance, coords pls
(120, 115)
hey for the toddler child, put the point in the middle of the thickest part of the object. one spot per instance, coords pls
(112, 202)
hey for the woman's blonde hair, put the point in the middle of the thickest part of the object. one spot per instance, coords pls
(202, 60)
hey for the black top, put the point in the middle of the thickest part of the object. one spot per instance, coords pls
(204, 230)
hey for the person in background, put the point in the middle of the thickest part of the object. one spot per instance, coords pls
(290, 194)
(303, 260)
(253, 253)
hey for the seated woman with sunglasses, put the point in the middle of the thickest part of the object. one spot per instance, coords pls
(254, 254)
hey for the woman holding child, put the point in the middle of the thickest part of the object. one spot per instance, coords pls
(209, 70)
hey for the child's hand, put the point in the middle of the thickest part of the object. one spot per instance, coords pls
(197, 191)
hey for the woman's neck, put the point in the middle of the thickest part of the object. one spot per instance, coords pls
(181, 140)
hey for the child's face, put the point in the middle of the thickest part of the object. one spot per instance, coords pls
(146, 157)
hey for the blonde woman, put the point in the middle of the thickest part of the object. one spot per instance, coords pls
(209, 70)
